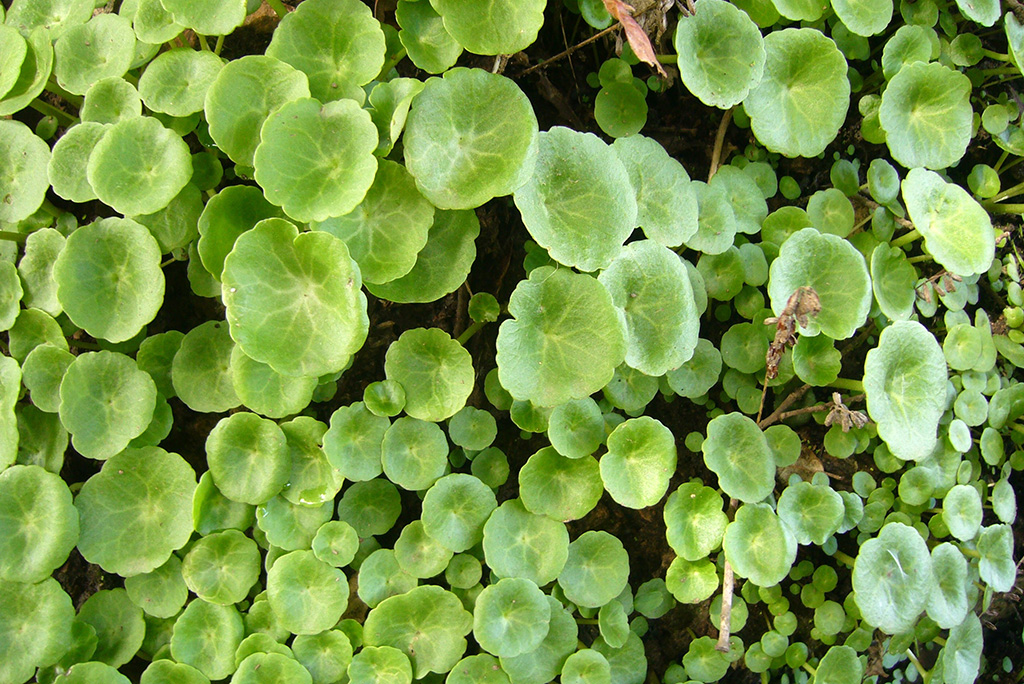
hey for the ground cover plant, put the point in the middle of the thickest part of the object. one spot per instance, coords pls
(510, 342)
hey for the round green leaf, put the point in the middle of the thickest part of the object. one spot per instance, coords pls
(576, 428)
(834, 269)
(543, 664)
(35, 70)
(270, 668)
(472, 429)
(217, 18)
(101, 48)
(892, 577)
(492, 27)
(864, 17)
(801, 102)
(691, 582)
(620, 109)
(579, 203)
(105, 402)
(13, 50)
(57, 16)
(947, 602)
(596, 570)
(389, 107)
(716, 220)
(641, 459)
(353, 442)
(813, 512)
(926, 115)
(564, 341)
(470, 136)
(136, 511)
(160, 593)
(961, 656)
(905, 384)
(244, 94)
(511, 617)
(38, 524)
(152, 22)
(997, 567)
(840, 665)
(206, 637)
(694, 520)
(561, 488)
(248, 458)
(307, 595)
(339, 46)
(650, 287)
(381, 577)
(35, 625)
(267, 392)
(283, 289)
(370, 507)
(719, 72)
(428, 624)
(380, 665)
(957, 230)
(212, 511)
(313, 481)
(93, 673)
(388, 228)
(119, 625)
(222, 567)
(478, 669)
(108, 278)
(36, 271)
(455, 509)
(737, 451)
(316, 160)
(326, 655)
(23, 171)
(961, 512)
(435, 370)
(414, 453)
(425, 38)
(336, 543)
(419, 554)
(42, 372)
(518, 543)
(201, 369)
(176, 81)
(138, 166)
(384, 398)
(666, 202)
(816, 360)
(169, 672)
(68, 163)
(111, 100)
(758, 545)
(441, 266)
(893, 281)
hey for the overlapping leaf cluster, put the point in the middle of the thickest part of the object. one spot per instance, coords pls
(299, 182)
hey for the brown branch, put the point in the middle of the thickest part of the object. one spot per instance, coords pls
(786, 403)
(725, 617)
(569, 51)
(716, 154)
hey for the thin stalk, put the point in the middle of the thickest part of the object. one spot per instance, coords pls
(926, 676)
(393, 62)
(48, 207)
(473, 329)
(47, 109)
(278, 7)
(53, 87)
(569, 51)
(843, 558)
(1013, 162)
(1006, 208)
(1001, 161)
(219, 46)
(11, 236)
(919, 258)
(847, 384)
(586, 621)
(970, 553)
(668, 59)
(80, 344)
(810, 669)
(906, 238)
(1004, 194)
(998, 56)
(3, 348)
(202, 42)
(716, 154)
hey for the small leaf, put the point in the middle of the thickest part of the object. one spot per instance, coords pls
(737, 451)
(307, 595)
(492, 27)
(758, 545)
(24, 158)
(511, 617)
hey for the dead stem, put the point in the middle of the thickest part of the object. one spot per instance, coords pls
(569, 51)
(716, 153)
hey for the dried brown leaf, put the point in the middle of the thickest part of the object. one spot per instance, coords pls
(801, 304)
(846, 418)
(635, 34)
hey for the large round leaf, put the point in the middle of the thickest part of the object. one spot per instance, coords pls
(428, 624)
(579, 204)
(136, 511)
(425, 38)
(105, 402)
(435, 371)
(737, 451)
(23, 161)
(947, 602)
(338, 45)
(758, 545)
(511, 617)
(293, 301)
(414, 453)
(210, 18)
(108, 278)
(666, 202)
(562, 488)
(813, 512)
(596, 571)
(840, 665)
(834, 269)
(905, 383)
(248, 458)
(245, 93)
(35, 627)
(470, 136)
(801, 102)
(103, 47)
(353, 442)
(719, 72)
(564, 341)
(926, 115)
(316, 160)
(957, 230)
(38, 523)
(35, 70)
(893, 281)
(455, 509)
(206, 637)
(138, 166)
(267, 392)
(650, 287)
(492, 27)
(640, 461)
(388, 228)
(67, 167)
(892, 577)
(176, 82)
(228, 214)
(694, 521)
(864, 17)
(201, 369)
(306, 594)
(518, 543)
(222, 567)
(543, 664)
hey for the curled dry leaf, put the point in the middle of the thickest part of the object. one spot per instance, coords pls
(635, 34)
(846, 418)
(801, 304)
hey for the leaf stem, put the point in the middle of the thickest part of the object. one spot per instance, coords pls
(998, 56)
(1002, 159)
(586, 621)
(847, 384)
(219, 46)
(668, 59)
(469, 332)
(1005, 208)
(48, 207)
(81, 344)
(843, 558)
(919, 258)
(716, 154)
(906, 238)
(1004, 194)
(970, 553)
(11, 236)
(811, 670)
(53, 87)
(392, 63)
(202, 42)
(569, 51)
(278, 7)
(47, 109)
(926, 676)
